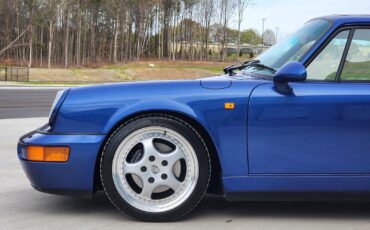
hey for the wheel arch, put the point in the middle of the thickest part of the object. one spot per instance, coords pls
(215, 185)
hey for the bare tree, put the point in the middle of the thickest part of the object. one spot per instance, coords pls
(207, 8)
(269, 37)
(66, 36)
(89, 32)
(14, 41)
(167, 8)
(51, 7)
(116, 10)
(31, 31)
(227, 10)
(79, 33)
(242, 6)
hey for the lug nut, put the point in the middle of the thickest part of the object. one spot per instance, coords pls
(151, 180)
(164, 176)
(152, 158)
(164, 163)
(143, 169)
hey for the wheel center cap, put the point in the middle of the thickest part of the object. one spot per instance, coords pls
(155, 169)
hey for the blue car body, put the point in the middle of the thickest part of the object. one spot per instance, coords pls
(315, 141)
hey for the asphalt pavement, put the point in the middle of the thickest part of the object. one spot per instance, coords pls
(23, 102)
(22, 207)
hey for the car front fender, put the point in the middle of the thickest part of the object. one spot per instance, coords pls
(147, 106)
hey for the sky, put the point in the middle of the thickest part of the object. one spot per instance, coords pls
(289, 15)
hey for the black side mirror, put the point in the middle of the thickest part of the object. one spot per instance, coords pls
(290, 72)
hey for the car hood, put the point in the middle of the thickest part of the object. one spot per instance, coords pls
(225, 81)
(214, 82)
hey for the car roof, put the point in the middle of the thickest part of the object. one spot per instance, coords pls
(340, 19)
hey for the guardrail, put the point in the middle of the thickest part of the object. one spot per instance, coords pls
(11, 73)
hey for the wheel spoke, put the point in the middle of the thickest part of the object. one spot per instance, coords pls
(174, 156)
(147, 190)
(149, 148)
(173, 182)
(131, 168)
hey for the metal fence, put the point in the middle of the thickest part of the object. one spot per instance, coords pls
(3, 74)
(10, 73)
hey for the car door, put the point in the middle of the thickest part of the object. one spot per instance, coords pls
(324, 128)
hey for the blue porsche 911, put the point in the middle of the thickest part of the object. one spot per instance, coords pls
(292, 124)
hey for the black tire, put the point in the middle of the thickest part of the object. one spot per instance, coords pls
(165, 121)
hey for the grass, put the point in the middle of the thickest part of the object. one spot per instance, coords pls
(214, 67)
(167, 70)
(356, 71)
(135, 71)
(353, 71)
(77, 71)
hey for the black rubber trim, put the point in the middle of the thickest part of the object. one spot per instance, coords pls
(298, 196)
(62, 133)
(66, 192)
(45, 130)
(344, 55)
(27, 135)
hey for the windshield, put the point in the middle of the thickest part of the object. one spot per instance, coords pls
(293, 47)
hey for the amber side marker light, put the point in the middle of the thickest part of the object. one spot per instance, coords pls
(47, 153)
(229, 105)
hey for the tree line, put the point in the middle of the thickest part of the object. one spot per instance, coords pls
(67, 33)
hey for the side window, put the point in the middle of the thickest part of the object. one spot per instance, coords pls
(325, 65)
(357, 65)
(302, 51)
